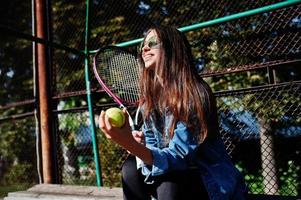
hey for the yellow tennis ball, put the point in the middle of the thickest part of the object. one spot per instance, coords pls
(116, 117)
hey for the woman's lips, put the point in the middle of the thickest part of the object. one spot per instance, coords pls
(147, 57)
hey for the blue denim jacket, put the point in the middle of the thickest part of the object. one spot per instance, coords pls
(220, 177)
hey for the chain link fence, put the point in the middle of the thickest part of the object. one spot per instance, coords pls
(18, 155)
(252, 64)
(261, 129)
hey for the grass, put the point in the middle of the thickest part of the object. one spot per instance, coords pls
(5, 189)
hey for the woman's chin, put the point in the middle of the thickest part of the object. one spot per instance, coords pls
(149, 65)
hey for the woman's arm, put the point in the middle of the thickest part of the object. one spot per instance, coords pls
(123, 136)
(178, 154)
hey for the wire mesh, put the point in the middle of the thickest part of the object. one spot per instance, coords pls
(264, 126)
(18, 160)
(254, 42)
(68, 72)
(74, 149)
(11, 12)
(16, 71)
(260, 126)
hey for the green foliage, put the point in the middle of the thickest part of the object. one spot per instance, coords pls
(111, 159)
(18, 142)
(70, 123)
(20, 176)
(20, 173)
(289, 179)
(255, 183)
(5, 189)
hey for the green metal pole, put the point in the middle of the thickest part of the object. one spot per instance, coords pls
(224, 19)
(240, 15)
(90, 105)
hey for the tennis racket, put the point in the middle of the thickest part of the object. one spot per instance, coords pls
(117, 71)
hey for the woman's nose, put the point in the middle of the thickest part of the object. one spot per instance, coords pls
(145, 48)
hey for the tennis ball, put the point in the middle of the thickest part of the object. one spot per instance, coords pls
(116, 117)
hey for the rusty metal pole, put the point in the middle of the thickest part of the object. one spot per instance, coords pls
(44, 95)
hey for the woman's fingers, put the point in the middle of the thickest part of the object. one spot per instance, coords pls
(126, 114)
(107, 123)
(122, 136)
(103, 124)
(139, 137)
(101, 120)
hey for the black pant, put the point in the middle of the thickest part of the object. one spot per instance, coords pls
(178, 185)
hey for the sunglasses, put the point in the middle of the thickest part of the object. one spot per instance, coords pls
(151, 43)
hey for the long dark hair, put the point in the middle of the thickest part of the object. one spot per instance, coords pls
(181, 89)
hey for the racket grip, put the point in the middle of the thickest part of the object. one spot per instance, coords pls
(131, 122)
(134, 127)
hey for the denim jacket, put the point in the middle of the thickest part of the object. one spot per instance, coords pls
(220, 177)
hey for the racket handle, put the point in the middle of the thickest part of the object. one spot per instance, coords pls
(132, 124)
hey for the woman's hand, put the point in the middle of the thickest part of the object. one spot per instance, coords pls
(133, 143)
(139, 137)
(123, 134)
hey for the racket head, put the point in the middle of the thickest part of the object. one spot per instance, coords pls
(117, 71)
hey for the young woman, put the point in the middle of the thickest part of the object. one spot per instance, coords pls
(183, 156)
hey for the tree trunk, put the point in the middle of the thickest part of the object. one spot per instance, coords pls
(268, 159)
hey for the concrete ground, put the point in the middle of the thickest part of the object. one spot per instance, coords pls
(66, 192)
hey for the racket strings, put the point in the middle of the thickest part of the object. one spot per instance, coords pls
(119, 70)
